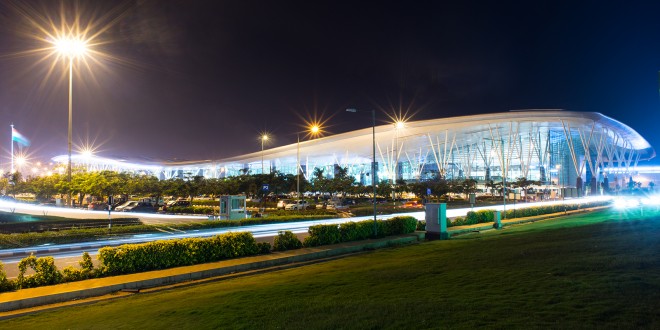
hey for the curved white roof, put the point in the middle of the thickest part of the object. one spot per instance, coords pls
(467, 128)
(357, 145)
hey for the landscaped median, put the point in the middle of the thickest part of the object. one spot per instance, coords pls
(484, 219)
(159, 255)
(69, 231)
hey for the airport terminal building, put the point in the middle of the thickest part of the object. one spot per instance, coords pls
(561, 148)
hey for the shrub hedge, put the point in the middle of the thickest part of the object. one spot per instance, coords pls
(352, 231)
(286, 240)
(132, 258)
(484, 216)
(192, 209)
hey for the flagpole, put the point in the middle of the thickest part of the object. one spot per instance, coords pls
(12, 148)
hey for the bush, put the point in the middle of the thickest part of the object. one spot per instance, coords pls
(206, 202)
(263, 247)
(397, 225)
(286, 240)
(322, 235)
(5, 283)
(471, 218)
(192, 209)
(45, 272)
(421, 224)
(86, 263)
(485, 216)
(458, 221)
(71, 274)
(131, 258)
(355, 231)
(351, 231)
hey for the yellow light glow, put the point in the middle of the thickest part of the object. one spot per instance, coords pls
(71, 47)
(20, 160)
(400, 115)
(313, 126)
(264, 137)
(88, 148)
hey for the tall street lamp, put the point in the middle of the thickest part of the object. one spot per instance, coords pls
(71, 47)
(373, 162)
(264, 138)
(398, 126)
(312, 131)
(504, 173)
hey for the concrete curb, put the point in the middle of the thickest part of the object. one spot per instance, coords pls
(33, 297)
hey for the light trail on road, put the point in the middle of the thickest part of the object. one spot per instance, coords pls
(263, 230)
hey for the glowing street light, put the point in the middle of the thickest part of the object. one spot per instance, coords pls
(312, 131)
(264, 139)
(398, 126)
(373, 162)
(72, 47)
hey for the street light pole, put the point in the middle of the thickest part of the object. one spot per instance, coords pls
(298, 168)
(68, 168)
(504, 174)
(373, 163)
(71, 47)
(313, 131)
(264, 138)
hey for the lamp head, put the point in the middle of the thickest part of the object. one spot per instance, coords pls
(71, 47)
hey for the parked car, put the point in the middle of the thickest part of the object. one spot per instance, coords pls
(140, 207)
(281, 204)
(181, 203)
(412, 205)
(97, 206)
(297, 205)
(336, 206)
(121, 207)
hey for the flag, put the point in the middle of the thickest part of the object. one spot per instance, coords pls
(19, 138)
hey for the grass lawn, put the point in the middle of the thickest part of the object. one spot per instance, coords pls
(596, 270)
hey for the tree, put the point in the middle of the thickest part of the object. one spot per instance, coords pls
(14, 183)
(342, 182)
(524, 183)
(319, 182)
(467, 187)
(384, 188)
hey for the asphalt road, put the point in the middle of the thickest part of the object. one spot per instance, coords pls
(69, 254)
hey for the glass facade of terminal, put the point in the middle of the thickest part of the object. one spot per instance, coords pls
(568, 149)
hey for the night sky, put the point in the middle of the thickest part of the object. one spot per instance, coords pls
(194, 80)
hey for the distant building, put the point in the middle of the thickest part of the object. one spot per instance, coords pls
(559, 148)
